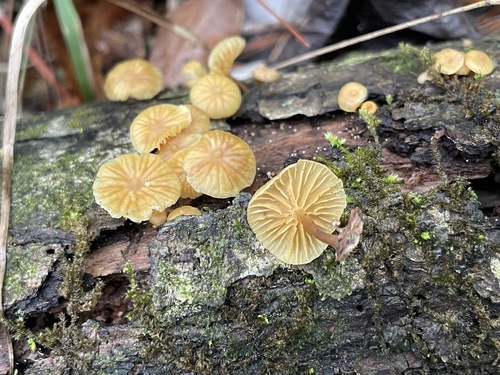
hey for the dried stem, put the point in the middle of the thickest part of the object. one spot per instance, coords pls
(376, 34)
(9, 131)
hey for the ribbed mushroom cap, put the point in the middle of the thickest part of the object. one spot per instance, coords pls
(175, 144)
(136, 79)
(192, 71)
(177, 164)
(200, 122)
(369, 106)
(183, 210)
(217, 95)
(300, 192)
(222, 56)
(132, 186)
(479, 62)
(351, 95)
(448, 61)
(155, 124)
(220, 165)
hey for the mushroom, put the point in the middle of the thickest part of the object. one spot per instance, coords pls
(133, 185)
(265, 74)
(178, 143)
(192, 71)
(200, 122)
(351, 95)
(448, 61)
(222, 56)
(220, 165)
(369, 106)
(479, 62)
(217, 95)
(183, 210)
(136, 79)
(158, 218)
(177, 164)
(294, 213)
(155, 124)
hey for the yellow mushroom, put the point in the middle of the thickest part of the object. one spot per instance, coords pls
(448, 61)
(156, 124)
(220, 165)
(136, 79)
(222, 56)
(217, 95)
(177, 164)
(132, 186)
(351, 95)
(265, 74)
(370, 106)
(479, 62)
(294, 214)
(175, 144)
(192, 71)
(183, 210)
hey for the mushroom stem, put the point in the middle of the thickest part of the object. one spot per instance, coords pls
(314, 230)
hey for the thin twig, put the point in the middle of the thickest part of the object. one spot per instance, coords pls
(9, 131)
(376, 34)
(285, 24)
(160, 21)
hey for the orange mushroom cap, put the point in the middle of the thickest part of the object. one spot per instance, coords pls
(220, 165)
(222, 56)
(155, 124)
(217, 95)
(300, 204)
(134, 185)
(136, 79)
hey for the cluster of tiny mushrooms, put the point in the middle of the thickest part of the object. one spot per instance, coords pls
(293, 215)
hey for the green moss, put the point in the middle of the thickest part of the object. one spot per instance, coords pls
(49, 193)
(31, 132)
(409, 59)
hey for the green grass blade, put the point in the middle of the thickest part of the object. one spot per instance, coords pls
(71, 28)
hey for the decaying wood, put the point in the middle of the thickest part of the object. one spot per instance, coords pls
(220, 302)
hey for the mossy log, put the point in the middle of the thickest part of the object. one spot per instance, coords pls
(420, 294)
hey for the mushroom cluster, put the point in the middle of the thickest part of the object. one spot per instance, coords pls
(450, 62)
(352, 96)
(215, 92)
(177, 155)
(294, 214)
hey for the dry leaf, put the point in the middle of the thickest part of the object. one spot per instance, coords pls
(210, 20)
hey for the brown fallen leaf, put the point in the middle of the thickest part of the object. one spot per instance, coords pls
(210, 20)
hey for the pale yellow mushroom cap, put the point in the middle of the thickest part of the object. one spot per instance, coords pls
(222, 56)
(351, 95)
(155, 124)
(220, 165)
(217, 95)
(265, 74)
(305, 189)
(176, 144)
(158, 218)
(177, 164)
(183, 210)
(479, 62)
(132, 186)
(200, 122)
(192, 71)
(448, 61)
(136, 79)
